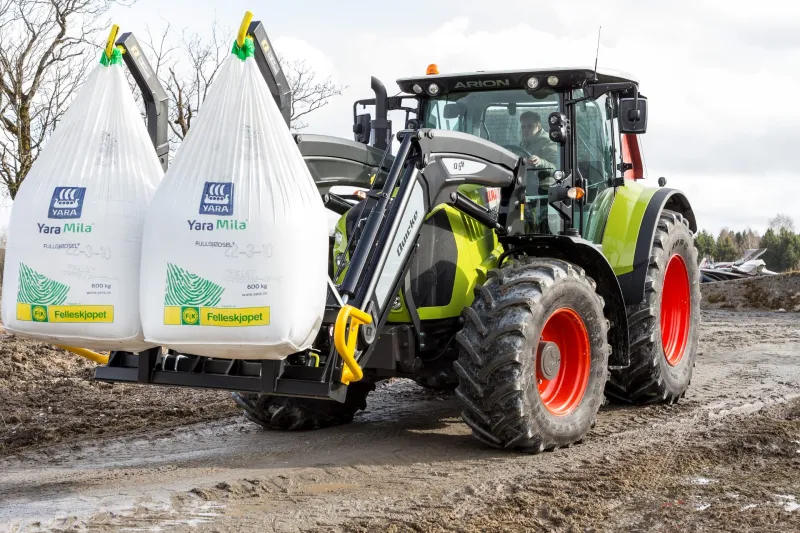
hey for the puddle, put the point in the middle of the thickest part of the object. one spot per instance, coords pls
(789, 502)
(702, 481)
(192, 514)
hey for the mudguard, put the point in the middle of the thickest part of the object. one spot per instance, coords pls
(586, 255)
(628, 234)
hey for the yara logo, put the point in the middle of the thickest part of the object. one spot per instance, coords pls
(217, 199)
(66, 202)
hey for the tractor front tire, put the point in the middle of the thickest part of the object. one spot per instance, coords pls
(291, 414)
(665, 327)
(533, 356)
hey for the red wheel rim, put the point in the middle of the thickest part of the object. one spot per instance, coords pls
(563, 393)
(675, 310)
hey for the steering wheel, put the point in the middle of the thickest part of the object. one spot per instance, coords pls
(518, 150)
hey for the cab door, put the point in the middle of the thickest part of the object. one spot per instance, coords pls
(598, 160)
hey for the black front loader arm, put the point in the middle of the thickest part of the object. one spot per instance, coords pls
(156, 103)
(428, 170)
(270, 67)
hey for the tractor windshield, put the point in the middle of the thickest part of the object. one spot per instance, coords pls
(515, 120)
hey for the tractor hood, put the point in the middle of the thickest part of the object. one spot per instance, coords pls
(337, 161)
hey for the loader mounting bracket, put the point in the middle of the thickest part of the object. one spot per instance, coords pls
(176, 369)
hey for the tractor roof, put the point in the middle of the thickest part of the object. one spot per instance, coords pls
(513, 79)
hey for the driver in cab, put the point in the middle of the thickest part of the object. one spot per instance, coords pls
(536, 141)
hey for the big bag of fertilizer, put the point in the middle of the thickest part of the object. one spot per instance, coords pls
(72, 261)
(236, 238)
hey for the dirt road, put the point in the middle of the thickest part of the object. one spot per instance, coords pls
(726, 458)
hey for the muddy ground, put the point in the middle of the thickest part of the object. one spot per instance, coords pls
(48, 396)
(727, 458)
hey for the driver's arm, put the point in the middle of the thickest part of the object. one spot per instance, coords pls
(548, 155)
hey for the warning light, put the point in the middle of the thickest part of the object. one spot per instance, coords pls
(576, 193)
(432, 70)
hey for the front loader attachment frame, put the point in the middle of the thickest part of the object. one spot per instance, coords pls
(428, 170)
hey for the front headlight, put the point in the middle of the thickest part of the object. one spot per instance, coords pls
(339, 263)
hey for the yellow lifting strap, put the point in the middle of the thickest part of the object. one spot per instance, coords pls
(248, 18)
(345, 338)
(112, 36)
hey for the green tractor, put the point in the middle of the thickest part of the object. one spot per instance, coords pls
(502, 246)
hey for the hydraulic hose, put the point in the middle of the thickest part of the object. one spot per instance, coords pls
(88, 354)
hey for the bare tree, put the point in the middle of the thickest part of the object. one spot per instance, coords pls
(48, 46)
(781, 221)
(189, 80)
(45, 53)
(187, 71)
(308, 92)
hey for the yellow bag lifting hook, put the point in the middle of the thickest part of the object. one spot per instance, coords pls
(248, 17)
(112, 37)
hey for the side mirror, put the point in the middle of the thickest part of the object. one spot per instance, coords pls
(362, 129)
(453, 110)
(559, 125)
(633, 115)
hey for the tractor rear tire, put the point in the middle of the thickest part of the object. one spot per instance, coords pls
(518, 392)
(291, 414)
(665, 327)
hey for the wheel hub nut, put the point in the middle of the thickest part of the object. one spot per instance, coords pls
(549, 360)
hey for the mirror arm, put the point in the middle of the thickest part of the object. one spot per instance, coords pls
(635, 111)
(593, 91)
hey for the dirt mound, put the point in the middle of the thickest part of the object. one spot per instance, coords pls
(762, 293)
(47, 395)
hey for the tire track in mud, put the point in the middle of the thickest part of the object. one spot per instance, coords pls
(408, 456)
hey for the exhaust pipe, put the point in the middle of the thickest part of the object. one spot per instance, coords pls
(381, 123)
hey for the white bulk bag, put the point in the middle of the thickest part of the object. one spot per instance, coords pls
(236, 236)
(74, 239)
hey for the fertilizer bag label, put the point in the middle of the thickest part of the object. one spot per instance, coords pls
(74, 239)
(237, 235)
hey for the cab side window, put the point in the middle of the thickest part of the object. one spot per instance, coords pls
(595, 146)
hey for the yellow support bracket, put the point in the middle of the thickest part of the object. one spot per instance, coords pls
(112, 37)
(88, 354)
(345, 338)
(240, 37)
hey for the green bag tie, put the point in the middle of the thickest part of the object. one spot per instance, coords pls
(116, 57)
(245, 51)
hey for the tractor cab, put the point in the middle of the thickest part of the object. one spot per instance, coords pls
(576, 128)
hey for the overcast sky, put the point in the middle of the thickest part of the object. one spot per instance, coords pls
(712, 71)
